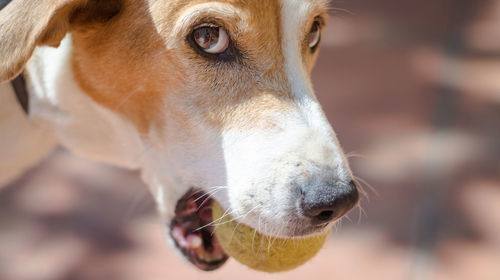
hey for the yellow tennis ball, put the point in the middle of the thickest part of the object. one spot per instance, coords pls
(261, 252)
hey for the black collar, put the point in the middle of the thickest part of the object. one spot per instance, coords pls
(4, 3)
(19, 85)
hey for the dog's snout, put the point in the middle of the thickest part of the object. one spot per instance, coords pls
(326, 202)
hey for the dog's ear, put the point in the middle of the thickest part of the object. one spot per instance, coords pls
(26, 24)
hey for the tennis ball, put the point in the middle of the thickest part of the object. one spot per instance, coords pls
(261, 252)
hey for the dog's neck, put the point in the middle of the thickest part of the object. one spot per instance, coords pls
(79, 123)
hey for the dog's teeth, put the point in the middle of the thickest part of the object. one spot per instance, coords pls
(194, 241)
(178, 235)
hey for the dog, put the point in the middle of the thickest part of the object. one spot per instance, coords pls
(208, 99)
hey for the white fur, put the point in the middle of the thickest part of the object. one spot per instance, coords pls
(174, 164)
(79, 123)
(60, 113)
(266, 168)
(295, 15)
(169, 165)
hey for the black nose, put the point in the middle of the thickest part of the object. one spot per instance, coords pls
(325, 202)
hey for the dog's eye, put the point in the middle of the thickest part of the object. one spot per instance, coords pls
(210, 39)
(314, 36)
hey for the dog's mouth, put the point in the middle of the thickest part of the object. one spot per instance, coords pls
(192, 232)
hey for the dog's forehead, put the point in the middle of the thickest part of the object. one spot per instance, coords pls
(268, 27)
(254, 5)
(261, 13)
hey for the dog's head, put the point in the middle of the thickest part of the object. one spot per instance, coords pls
(221, 96)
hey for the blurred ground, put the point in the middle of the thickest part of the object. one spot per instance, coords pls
(412, 89)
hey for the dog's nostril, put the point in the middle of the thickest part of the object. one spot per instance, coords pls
(325, 202)
(325, 216)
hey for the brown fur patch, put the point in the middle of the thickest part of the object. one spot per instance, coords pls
(27, 24)
(127, 67)
(124, 66)
(127, 58)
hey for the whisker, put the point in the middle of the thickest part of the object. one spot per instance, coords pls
(239, 217)
(215, 221)
(348, 218)
(341, 10)
(210, 196)
(338, 225)
(255, 232)
(125, 100)
(212, 191)
(367, 185)
(236, 227)
(361, 213)
(355, 155)
(363, 183)
(361, 189)
(273, 238)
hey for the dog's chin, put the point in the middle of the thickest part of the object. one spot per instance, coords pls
(192, 233)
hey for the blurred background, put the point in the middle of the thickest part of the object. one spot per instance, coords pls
(412, 89)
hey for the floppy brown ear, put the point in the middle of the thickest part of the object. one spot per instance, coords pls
(25, 24)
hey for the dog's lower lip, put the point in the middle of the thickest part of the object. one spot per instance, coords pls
(191, 231)
(208, 265)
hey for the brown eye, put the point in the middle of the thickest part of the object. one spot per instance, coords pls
(314, 36)
(211, 39)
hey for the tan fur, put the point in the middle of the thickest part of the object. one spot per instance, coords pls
(27, 24)
(135, 65)
(126, 67)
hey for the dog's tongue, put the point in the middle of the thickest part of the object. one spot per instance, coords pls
(192, 234)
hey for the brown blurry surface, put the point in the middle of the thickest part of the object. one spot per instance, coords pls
(421, 124)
